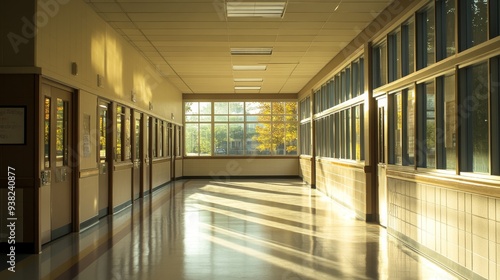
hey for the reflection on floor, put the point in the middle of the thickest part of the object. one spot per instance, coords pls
(234, 229)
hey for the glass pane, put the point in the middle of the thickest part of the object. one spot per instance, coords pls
(430, 125)
(236, 118)
(205, 108)
(205, 139)
(348, 127)
(146, 149)
(160, 140)
(191, 108)
(236, 107)
(205, 118)
(220, 139)
(154, 137)
(61, 133)
(479, 114)
(475, 27)
(103, 123)
(445, 33)
(258, 139)
(398, 133)
(410, 127)
(430, 27)
(191, 140)
(221, 118)
(137, 138)
(119, 120)
(357, 133)
(46, 137)
(192, 118)
(128, 146)
(408, 48)
(221, 108)
(236, 139)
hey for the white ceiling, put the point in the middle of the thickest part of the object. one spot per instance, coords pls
(189, 41)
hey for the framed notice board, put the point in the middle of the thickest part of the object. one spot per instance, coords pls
(12, 125)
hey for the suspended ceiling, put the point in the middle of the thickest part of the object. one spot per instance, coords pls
(189, 41)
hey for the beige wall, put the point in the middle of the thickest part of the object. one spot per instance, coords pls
(222, 167)
(76, 34)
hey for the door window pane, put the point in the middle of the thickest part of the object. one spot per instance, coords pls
(450, 137)
(46, 134)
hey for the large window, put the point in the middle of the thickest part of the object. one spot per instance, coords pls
(241, 128)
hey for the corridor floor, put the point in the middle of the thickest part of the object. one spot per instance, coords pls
(229, 229)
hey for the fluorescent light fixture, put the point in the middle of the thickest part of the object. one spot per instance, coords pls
(249, 67)
(255, 9)
(251, 51)
(247, 88)
(248, 79)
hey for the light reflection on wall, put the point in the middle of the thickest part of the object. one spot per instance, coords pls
(97, 49)
(114, 66)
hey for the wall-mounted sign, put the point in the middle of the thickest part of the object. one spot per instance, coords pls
(12, 125)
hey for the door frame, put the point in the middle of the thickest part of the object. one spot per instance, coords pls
(73, 155)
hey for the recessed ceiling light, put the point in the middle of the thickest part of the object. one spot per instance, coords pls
(251, 51)
(248, 79)
(255, 9)
(249, 67)
(247, 88)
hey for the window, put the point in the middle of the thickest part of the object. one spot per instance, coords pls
(473, 23)
(198, 139)
(358, 78)
(446, 122)
(494, 19)
(474, 119)
(427, 125)
(495, 115)
(394, 43)
(402, 127)
(379, 65)
(305, 126)
(123, 148)
(425, 37)
(358, 140)
(160, 139)
(445, 32)
(241, 128)
(154, 137)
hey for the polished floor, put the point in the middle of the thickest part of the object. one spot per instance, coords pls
(234, 229)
